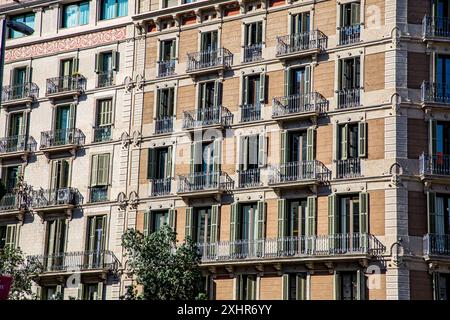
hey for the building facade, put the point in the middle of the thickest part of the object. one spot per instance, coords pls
(301, 144)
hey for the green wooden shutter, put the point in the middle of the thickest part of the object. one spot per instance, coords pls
(282, 218)
(217, 164)
(75, 65)
(80, 291)
(431, 204)
(356, 13)
(287, 82)
(337, 142)
(360, 285)
(173, 49)
(94, 170)
(72, 116)
(100, 291)
(245, 153)
(151, 163)
(103, 169)
(284, 147)
(332, 221)
(286, 286)
(262, 147)
(336, 286)
(251, 288)
(97, 63)
(245, 92)
(217, 93)
(91, 242)
(214, 233)
(170, 102)
(262, 87)
(362, 139)
(307, 83)
(54, 177)
(146, 232)
(234, 227)
(104, 233)
(311, 216)
(189, 224)
(436, 286)
(114, 60)
(363, 212)
(172, 218)
(169, 170)
(344, 142)
(261, 219)
(192, 158)
(11, 236)
(300, 284)
(310, 143)
(432, 137)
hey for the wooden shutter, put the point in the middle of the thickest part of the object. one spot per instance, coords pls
(363, 212)
(172, 217)
(262, 150)
(28, 74)
(311, 216)
(436, 286)
(245, 153)
(282, 218)
(234, 222)
(54, 174)
(356, 13)
(307, 83)
(336, 286)
(194, 159)
(103, 169)
(217, 93)
(170, 102)
(169, 169)
(251, 288)
(173, 49)
(362, 139)
(287, 82)
(72, 116)
(360, 285)
(214, 233)
(104, 233)
(262, 87)
(97, 63)
(189, 224)
(151, 163)
(300, 283)
(332, 219)
(344, 142)
(284, 147)
(11, 236)
(245, 91)
(94, 170)
(431, 205)
(114, 60)
(286, 286)
(75, 65)
(146, 232)
(80, 291)
(91, 242)
(217, 163)
(310, 144)
(100, 291)
(432, 137)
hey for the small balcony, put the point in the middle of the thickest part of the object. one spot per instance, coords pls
(48, 200)
(166, 68)
(164, 125)
(209, 61)
(349, 168)
(436, 245)
(13, 205)
(250, 178)
(301, 44)
(84, 261)
(294, 174)
(299, 106)
(161, 187)
(204, 184)
(19, 94)
(219, 117)
(349, 98)
(436, 28)
(250, 112)
(98, 194)
(102, 133)
(17, 146)
(253, 53)
(437, 166)
(436, 94)
(345, 246)
(62, 140)
(349, 34)
(65, 86)
(105, 79)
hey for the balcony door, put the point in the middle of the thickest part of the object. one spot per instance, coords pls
(298, 83)
(440, 144)
(442, 77)
(60, 175)
(209, 41)
(297, 146)
(167, 50)
(349, 73)
(348, 138)
(206, 99)
(348, 218)
(19, 79)
(252, 90)
(202, 224)
(96, 241)
(350, 14)
(165, 103)
(11, 177)
(296, 218)
(64, 124)
(441, 9)
(249, 227)
(162, 169)
(56, 244)
(16, 131)
(301, 23)
(442, 216)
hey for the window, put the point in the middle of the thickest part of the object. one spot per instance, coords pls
(51, 292)
(348, 214)
(247, 223)
(442, 77)
(75, 14)
(111, 9)
(348, 286)
(252, 156)
(56, 244)
(254, 89)
(352, 141)
(165, 103)
(8, 236)
(10, 176)
(60, 174)
(298, 81)
(93, 291)
(294, 286)
(99, 177)
(209, 41)
(350, 14)
(439, 218)
(441, 10)
(20, 79)
(207, 95)
(169, 3)
(202, 225)
(246, 287)
(167, 50)
(349, 73)
(27, 19)
(440, 140)
(300, 23)
(96, 241)
(253, 33)
(296, 218)
(17, 131)
(159, 163)
(103, 120)
(154, 220)
(441, 286)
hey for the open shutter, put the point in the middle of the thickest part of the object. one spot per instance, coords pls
(261, 219)
(356, 13)
(94, 170)
(11, 236)
(173, 49)
(262, 147)
(100, 290)
(245, 91)
(307, 83)
(91, 233)
(344, 142)
(75, 65)
(300, 283)
(285, 286)
(310, 144)
(97, 62)
(362, 139)
(170, 102)
(251, 288)
(436, 286)
(360, 285)
(28, 74)
(287, 82)
(281, 218)
(80, 291)
(332, 222)
(145, 232)
(217, 164)
(311, 216)
(337, 142)
(432, 137)
(151, 163)
(214, 233)
(363, 212)
(169, 173)
(284, 147)
(172, 218)
(104, 233)
(217, 93)
(336, 286)
(262, 87)
(189, 224)
(114, 60)
(245, 155)
(72, 116)
(54, 177)
(431, 204)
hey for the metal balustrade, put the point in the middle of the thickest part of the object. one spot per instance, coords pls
(160, 187)
(349, 34)
(435, 92)
(66, 84)
(61, 137)
(207, 117)
(436, 244)
(98, 194)
(438, 27)
(249, 178)
(349, 98)
(43, 198)
(299, 171)
(298, 104)
(19, 91)
(105, 79)
(299, 42)
(13, 201)
(20, 143)
(166, 68)
(349, 168)
(164, 125)
(103, 133)
(292, 247)
(209, 59)
(437, 164)
(253, 52)
(250, 112)
(201, 181)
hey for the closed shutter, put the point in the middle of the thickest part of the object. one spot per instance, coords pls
(282, 218)
(336, 286)
(114, 60)
(261, 219)
(432, 137)
(332, 222)
(262, 147)
(170, 102)
(311, 216)
(300, 283)
(360, 285)
(214, 233)
(310, 143)
(196, 155)
(94, 170)
(97, 63)
(363, 212)
(234, 227)
(431, 204)
(284, 147)
(262, 88)
(172, 218)
(146, 230)
(287, 82)
(91, 242)
(72, 116)
(189, 224)
(285, 286)
(151, 163)
(169, 169)
(217, 93)
(217, 164)
(173, 49)
(11, 236)
(104, 233)
(103, 169)
(362, 139)
(100, 290)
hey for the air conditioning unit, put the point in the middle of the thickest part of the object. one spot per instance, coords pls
(63, 196)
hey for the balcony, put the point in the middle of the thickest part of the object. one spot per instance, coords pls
(161, 187)
(299, 106)
(253, 52)
(166, 68)
(98, 194)
(349, 34)
(301, 44)
(435, 94)
(349, 98)
(436, 28)
(250, 112)
(209, 61)
(436, 245)
(65, 86)
(17, 146)
(105, 79)
(62, 140)
(13, 205)
(102, 134)
(84, 261)
(205, 184)
(49, 200)
(164, 125)
(19, 94)
(349, 168)
(250, 178)
(343, 246)
(210, 117)
(294, 174)
(436, 166)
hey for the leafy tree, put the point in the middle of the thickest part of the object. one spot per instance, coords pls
(13, 263)
(165, 270)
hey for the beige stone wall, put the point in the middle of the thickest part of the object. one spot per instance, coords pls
(375, 140)
(324, 78)
(325, 17)
(417, 213)
(374, 69)
(376, 212)
(271, 288)
(322, 287)
(223, 289)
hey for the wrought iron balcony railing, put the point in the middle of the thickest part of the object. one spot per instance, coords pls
(349, 34)
(66, 84)
(98, 194)
(249, 178)
(166, 68)
(164, 125)
(253, 52)
(207, 117)
(436, 244)
(299, 171)
(62, 137)
(346, 244)
(201, 181)
(299, 42)
(437, 164)
(436, 27)
(349, 168)
(299, 104)
(19, 92)
(77, 261)
(21, 143)
(103, 133)
(221, 57)
(13, 201)
(250, 112)
(105, 79)
(432, 92)
(160, 187)
(349, 98)
(43, 198)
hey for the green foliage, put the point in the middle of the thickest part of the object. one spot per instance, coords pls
(165, 270)
(13, 263)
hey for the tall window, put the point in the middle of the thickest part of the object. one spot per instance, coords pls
(207, 95)
(348, 214)
(300, 23)
(8, 236)
(10, 176)
(27, 19)
(350, 14)
(56, 243)
(294, 286)
(103, 120)
(441, 9)
(154, 220)
(99, 177)
(209, 41)
(298, 81)
(246, 287)
(253, 33)
(60, 174)
(254, 89)
(75, 14)
(348, 285)
(442, 286)
(111, 9)
(93, 291)
(352, 141)
(349, 73)
(167, 50)
(96, 240)
(296, 218)
(159, 163)
(165, 103)
(439, 216)
(202, 225)
(20, 77)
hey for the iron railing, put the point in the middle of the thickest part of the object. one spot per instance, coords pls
(98, 194)
(43, 198)
(435, 92)
(13, 201)
(299, 42)
(207, 117)
(77, 261)
(102, 133)
(349, 98)
(20, 91)
(166, 68)
(62, 137)
(164, 125)
(250, 112)
(105, 79)
(253, 52)
(436, 164)
(209, 59)
(298, 104)
(160, 187)
(436, 244)
(349, 34)
(66, 84)
(349, 168)
(438, 27)
(201, 181)
(345, 244)
(299, 171)
(249, 178)
(21, 143)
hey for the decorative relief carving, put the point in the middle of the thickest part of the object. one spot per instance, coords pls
(125, 139)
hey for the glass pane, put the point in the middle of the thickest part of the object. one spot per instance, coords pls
(71, 16)
(84, 13)
(122, 8)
